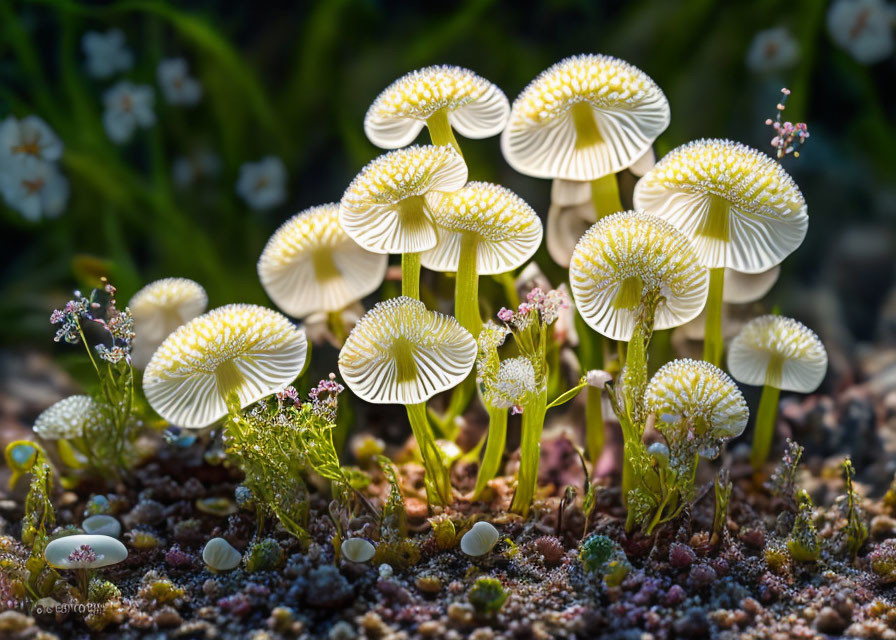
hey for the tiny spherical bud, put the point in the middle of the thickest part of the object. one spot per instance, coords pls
(598, 378)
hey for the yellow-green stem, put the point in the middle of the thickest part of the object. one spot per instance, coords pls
(336, 326)
(494, 449)
(530, 452)
(440, 131)
(410, 275)
(438, 485)
(605, 196)
(466, 288)
(765, 425)
(594, 424)
(713, 345)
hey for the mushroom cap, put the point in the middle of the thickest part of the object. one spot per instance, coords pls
(101, 524)
(480, 539)
(402, 353)
(565, 227)
(741, 288)
(68, 418)
(220, 555)
(475, 107)
(158, 309)
(358, 549)
(625, 256)
(239, 348)
(310, 264)
(386, 208)
(506, 230)
(766, 215)
(779, 352)
(108, 551)
(620, 109)
(569, 192)
(643, 164)
(697, 390)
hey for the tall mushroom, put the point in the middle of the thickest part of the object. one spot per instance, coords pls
(223, 361)
(311, 265)
(388, 206)
(402, 353)
(737, 205)
(632, 273)
(585, 118)
(483, 229)
(780, 354)
(441, 98)
(158, 309)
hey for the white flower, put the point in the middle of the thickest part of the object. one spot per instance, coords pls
(178, 86)
(106, 53)
(598, 378)
(863, 27)
(262, 184)
(29, 137)
(773, 50)
(188, 170)
(35, 188)
(128, 106)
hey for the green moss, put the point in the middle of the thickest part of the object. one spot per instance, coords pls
(487, 595)
(803, 543)
(263, 555)
(599, 554)
(102, 591)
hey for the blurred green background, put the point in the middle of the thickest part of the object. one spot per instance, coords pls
(295, 81)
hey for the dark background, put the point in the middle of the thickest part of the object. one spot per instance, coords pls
(296, 81)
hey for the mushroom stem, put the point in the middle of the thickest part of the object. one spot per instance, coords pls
(466, 290)
(440, 131)
(530, 452)
(410, 275)
(591, 356)
(494, 449)
(713, 345)
(605, 196)
(336, 326)
(438, 485)
(765, 425)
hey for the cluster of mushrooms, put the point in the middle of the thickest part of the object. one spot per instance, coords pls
(712, 221)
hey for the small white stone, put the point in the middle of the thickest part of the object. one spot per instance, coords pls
(219, 555)
(479, 540)
(385, 571)
(102, 525)
(357, 550)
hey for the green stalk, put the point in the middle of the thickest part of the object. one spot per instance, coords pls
(440, 131)
(605, 196)
(466, 289)
(438, 485)
(765, 425)
(594, 424)
(530, 452)
(410, 275)
(713, 345)
(494, 449)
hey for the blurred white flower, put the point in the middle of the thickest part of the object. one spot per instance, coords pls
(262, 184)
(127, 107)
(106, 53)
(199, 165)
(178, 86)
(773, 50)
(35, 188)
(863, 27)
(29, 137)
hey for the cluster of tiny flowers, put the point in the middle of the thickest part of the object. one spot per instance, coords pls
(289, 396)
(325, 398)
(788, 136)
(83, 555)
(547, 305)
(69, 317)
(118, 324)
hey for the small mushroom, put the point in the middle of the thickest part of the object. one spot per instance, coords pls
(586, 117)
(567, 193)
(388, 206)
(228, 358)
(698, 406)
(442, 98)
(83, 553)
(483, 229)
(357, 550)
(565, 226)
(480, 539)
(68, 422)
(158, 309)
(219, 555)
(311, 265)
(402, 353)
(738, 207)
(628, 261)
(780, 354)
(102, 525)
